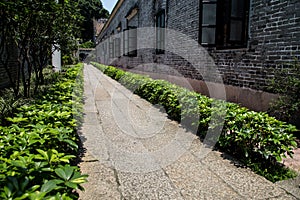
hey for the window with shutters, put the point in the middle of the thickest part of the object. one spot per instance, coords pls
(160, 32)
(117, 47)
(130, 33)
(125, 42)
(111, 49)
(224, 23)
(130, 41)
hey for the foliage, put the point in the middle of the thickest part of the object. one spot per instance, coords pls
(257, 134)
(69, 60)
(88, 44)
(286, 82)
(35, 29)
(273, 172)
(37, 148)
(90, 9)
(247, 134)
(8, 104)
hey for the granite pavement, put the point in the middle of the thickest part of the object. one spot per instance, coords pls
(133, 151)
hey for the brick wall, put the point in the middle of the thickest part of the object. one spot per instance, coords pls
(274, 39)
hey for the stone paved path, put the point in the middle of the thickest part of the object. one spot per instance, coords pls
(134, 152)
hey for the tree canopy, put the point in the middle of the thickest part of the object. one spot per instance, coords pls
(90, 9)
(35, 28)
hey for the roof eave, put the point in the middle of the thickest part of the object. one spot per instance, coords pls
(113, 13)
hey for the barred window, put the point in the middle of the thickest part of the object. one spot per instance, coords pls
(111, 49)
(160, 32)
(117, 47)
(224, 23)
(130, 42)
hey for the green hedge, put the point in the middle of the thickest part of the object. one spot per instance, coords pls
(37, 149)
(247, 134)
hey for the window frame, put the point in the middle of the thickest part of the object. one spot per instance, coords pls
(117, 47)
(130, 41)
(223, 25)
(201, 24)
(111, 49)
(160, 25)
(125, 42)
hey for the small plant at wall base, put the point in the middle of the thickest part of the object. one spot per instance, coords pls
(286, 83)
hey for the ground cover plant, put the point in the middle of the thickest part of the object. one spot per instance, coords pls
(39, 145)
(257, 139)
(9, 102)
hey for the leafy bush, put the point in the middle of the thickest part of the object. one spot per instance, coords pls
(69, 60)
(8, 104)
(252, 133)
(247, 134)
(88, 44)
(286, 82)
(37, 149)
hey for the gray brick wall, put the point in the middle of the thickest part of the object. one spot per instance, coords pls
(274, 39)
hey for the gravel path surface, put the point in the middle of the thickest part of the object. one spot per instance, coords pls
(133, 151)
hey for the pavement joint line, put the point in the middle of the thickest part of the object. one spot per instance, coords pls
(172, 183)
(288, 192)
(97, 79)
(91, 161)
(118, 183)
(117, 86)
(162, 168)
(217, 175)
(123, 93)
(119, 89)
(229, 185)
(212, 171)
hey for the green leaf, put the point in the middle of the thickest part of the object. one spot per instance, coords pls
(24, 196)
(72, 143)
(33, 188)
(14, 181)
(278, 158)
(61, 173)
(67, 158)
(78, 178)
(44, 154)
(294, 143)
(68, 171)
(18, 163)
(37, 195)
(65, 172)
(8, 191)
(24, 183)
(71, 185)
(17, 119)
(49, 186)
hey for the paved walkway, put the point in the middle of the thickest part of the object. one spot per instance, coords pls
(133, 151)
